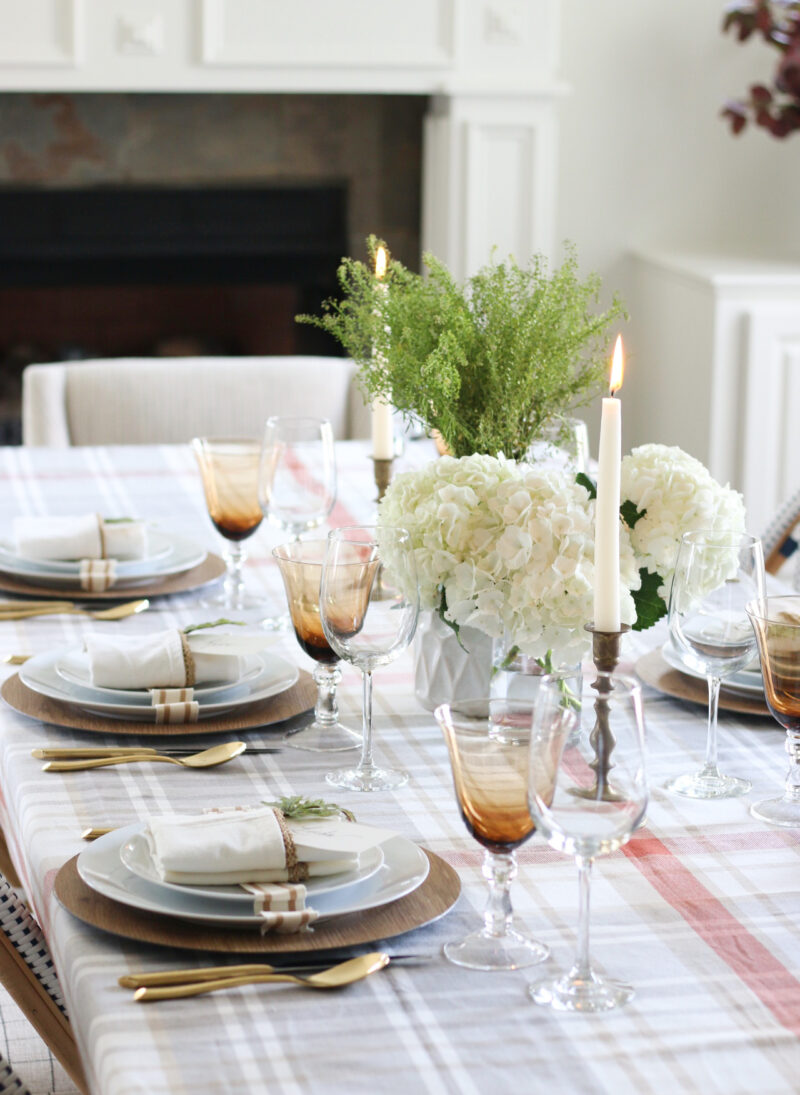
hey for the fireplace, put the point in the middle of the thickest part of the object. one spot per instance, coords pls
(113, 271)
(183, 224)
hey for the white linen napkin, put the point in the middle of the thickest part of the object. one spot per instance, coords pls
(232, 846)
(85, 536)
(159, 661)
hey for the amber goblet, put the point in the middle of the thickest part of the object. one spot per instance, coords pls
(230, 471)
(300, 565)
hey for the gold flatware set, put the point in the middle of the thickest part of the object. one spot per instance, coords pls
(23, 610)
(178, 984)
(208, 758)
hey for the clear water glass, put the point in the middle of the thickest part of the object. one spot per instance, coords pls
(369, 605)
(587, 794)
(716, 575)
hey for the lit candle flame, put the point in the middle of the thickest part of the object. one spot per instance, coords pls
(380, 263)
(615, 382)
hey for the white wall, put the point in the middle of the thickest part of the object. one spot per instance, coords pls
(646, 161)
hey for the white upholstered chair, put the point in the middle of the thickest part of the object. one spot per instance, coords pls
(164, 400)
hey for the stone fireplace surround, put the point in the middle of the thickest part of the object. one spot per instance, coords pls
(438, 115)
(486, 69)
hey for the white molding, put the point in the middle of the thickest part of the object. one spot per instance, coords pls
(63, 50)
(299, 44)
(489, 167)
(771, 450)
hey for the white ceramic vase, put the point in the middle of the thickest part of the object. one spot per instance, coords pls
(446, 669)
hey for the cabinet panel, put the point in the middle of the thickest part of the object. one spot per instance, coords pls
(40, 32)
(384, 33)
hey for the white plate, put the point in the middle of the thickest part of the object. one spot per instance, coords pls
(136, 856)
(746, 680)
(160, 546)
(404, 868)
(39, 674)
(73, 668)
(183, 555)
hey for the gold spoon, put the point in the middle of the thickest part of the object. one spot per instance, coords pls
(346, 973)
(217, 754)
(61, 608)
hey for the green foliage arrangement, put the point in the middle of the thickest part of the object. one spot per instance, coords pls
(489, 363)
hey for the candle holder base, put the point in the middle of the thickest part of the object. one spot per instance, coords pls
(383, 474)
(605, 655)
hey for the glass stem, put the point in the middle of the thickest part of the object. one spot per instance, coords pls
(365, 764)
(499, 870)
(792, 793)
(710, 767)
(326, 678)
(582, 970)
(234, 582)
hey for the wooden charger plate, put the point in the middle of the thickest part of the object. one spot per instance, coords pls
(437, 894)
(211, 568)
(655, 671)
(300, 697)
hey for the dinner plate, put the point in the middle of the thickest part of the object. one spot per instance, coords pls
(135, 854)
(746, 680)
(40, 675)
(160, 545)
(182, 555)
(405, 867)
(74, 669)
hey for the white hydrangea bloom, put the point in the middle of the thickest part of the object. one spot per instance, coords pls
(677, 494)
(512, 545)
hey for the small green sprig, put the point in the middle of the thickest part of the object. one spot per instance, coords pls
(212, 623)
(298, 807)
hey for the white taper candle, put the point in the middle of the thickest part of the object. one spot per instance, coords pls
(606, 536)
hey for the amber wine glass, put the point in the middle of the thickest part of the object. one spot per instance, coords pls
(230, 471)
(488, 742)
(776, 621)
(300, 565)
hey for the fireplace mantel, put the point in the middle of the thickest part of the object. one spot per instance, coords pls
(488, 66)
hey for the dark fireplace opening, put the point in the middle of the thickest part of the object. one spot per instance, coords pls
(162, 271)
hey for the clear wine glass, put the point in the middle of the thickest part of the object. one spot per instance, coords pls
(776, 621)
(297, 486)
(716, 575)
(297, 483)
(587, 793)
(369, 604)
(301, 569)
(230, 472)
(488, 741)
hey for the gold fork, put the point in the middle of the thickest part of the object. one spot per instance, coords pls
(57, 608)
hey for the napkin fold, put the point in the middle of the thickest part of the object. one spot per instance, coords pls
(86, 536)
(227, 847)
(161, 660)
(257, 848)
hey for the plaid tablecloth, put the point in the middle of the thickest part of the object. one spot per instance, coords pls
(701, 911)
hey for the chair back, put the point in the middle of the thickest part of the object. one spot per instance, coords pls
(128, 401)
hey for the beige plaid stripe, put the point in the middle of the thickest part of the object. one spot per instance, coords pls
(701, 911)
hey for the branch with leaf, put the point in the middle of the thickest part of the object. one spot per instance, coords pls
(488, 364)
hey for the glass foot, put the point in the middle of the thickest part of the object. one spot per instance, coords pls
(777, 811)
(583, 994)
(276, 623)
(367, 779)
(318, 737)
(482, 951)
(699, 785)
(240, 602)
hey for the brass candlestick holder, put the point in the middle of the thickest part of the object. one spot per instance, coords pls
(383, 474)
(605, 655)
